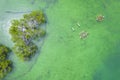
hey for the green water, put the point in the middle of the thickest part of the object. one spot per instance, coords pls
(64, 56)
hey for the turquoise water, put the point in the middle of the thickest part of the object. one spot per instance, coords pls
(63, 55)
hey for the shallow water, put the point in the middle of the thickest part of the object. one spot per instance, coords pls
(64, 56)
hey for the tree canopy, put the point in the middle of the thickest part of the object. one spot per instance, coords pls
(5, 64)
(24, 31)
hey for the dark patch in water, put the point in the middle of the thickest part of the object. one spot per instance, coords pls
(113, 63)
(33, 1)
(97, 76)
(111, 68)
(15, 12)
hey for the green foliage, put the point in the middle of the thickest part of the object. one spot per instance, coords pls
(5, 65)
(35, 15)
(3, 52)
(25, 51)
(39, 33)
(24, 31)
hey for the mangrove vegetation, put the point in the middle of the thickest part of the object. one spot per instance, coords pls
(24, 31)
(5, 64)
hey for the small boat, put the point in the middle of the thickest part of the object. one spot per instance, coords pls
(73, 29)
(78, 24)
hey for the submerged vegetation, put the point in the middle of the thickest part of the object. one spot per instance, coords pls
(24, 31)
(5, 64)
